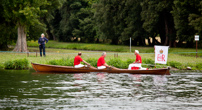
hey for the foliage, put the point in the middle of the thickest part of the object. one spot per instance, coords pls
(199, 66)
(16, 64)
(195, 17)
(6, 36)
(192, 65)
(73, 21)
(176, 65)
(25, 15)
(133, 22)
(1, 66)
(92, 62)
(111, 21)
(147, 61)
(7, 30)
(107, 18)
(62, 62)
(129, 61)
(58, 53)
(86, 30)
(158, 19)
(119, 63)
(180, 12)
(116, 62)
(70, 62)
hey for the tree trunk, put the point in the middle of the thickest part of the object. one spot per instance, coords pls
(115, 41)
(142, 41)
(171, 37)
(166, 31)
(50, 35)
(54, 38)
(21, 44)
(97, 40)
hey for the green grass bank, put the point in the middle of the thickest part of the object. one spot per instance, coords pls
(178, 57)
(174, 60)
(112, 48)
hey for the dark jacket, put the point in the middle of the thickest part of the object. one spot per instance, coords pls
(42, 40)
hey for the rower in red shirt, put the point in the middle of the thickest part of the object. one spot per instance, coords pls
(137, 62)
(101, 64)
(78, 60)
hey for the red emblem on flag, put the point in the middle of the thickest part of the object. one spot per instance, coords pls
(161, 57)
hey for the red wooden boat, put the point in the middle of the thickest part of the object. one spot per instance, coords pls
(71, 69)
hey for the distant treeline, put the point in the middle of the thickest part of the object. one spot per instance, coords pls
(108, 21)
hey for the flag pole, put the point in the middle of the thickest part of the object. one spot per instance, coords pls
(130, 44)
(154, 57)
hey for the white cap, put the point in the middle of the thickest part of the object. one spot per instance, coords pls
(137, 51)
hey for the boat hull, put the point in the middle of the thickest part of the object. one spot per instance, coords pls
(70, 69)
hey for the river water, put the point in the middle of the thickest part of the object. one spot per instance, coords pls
(27, 89)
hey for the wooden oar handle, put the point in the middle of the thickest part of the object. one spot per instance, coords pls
(114, 68)
(92, 67)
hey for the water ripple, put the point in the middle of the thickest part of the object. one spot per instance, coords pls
(101, 91)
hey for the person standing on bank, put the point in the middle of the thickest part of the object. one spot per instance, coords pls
(42, 41)
(78, 60)
(137, 62)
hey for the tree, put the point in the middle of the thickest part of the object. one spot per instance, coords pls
(158, 19)
(87, 26)
(70, 15)
(132, 18)
(24, 13)
(55, 24)
(195, 17)
(47, 18)
(181, 12)
(7, 30)
(110, 19)
(86, 29)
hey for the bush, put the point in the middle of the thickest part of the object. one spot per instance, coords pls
(116, 62)
(62, 62)
(199, 66)
(70, 62)
(8, 65)
(193, 66)
(129, 61)
(53, 62)
(92, 61)
(1, 66)
(148, 61)
(17, 64)
(176, 65)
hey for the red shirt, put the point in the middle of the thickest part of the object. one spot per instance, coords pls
(77, 60)
(101, 61)
(138, 57)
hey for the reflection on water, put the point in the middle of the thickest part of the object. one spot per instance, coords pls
(100, 91)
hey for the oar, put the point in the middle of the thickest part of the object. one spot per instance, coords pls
(91, 67)
(115, 68)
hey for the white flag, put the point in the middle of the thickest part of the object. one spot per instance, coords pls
(161, 54)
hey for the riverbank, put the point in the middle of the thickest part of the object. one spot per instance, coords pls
(111, 48)
(177, 61)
